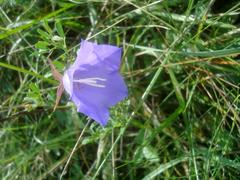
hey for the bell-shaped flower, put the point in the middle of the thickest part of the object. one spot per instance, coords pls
(93, 82)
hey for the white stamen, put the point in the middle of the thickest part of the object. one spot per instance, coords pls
(91, 82)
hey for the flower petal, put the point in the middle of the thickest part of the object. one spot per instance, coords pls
(99, 114)
(85, 54)
(111, 55)
(114, 91)
(92, 53)
(67, 81)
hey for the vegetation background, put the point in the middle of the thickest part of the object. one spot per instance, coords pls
(180, 61)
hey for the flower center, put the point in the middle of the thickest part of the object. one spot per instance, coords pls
(92, 82)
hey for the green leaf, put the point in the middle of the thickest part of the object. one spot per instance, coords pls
(42, 45)
(57, 38)
(47, 27)
(59, 29)
(44, 35)
(150, 154)
(34, 96)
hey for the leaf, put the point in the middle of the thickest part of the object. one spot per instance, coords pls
(59, 29)
(57, 38)
(34, 96)
(47, 27)
(42, 45)
(150, 154)
(44, 35)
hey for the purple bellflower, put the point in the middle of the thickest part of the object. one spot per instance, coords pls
(93, 82)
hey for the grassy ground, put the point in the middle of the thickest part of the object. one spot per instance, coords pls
(180, 61)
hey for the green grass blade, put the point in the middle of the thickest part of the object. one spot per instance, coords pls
(16, 68)
(164, 167)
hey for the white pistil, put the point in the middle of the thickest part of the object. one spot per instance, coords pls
(91, 82)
